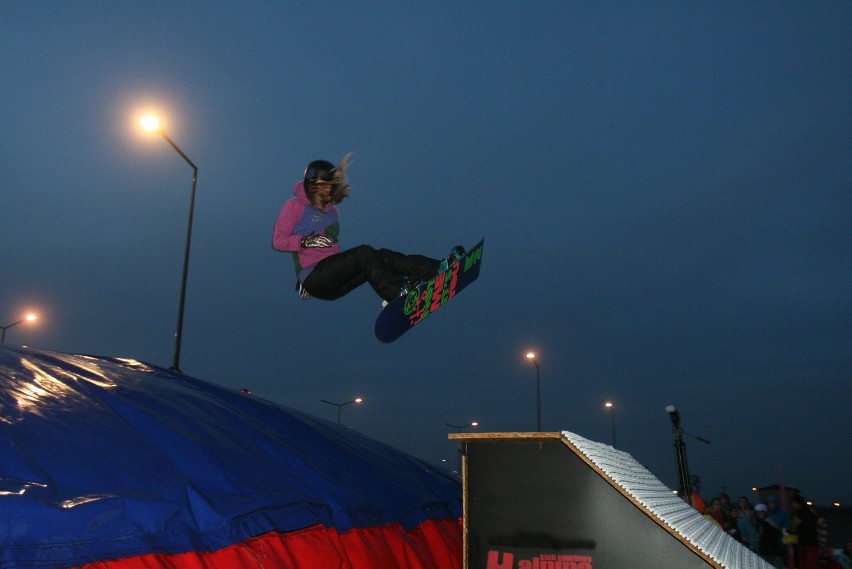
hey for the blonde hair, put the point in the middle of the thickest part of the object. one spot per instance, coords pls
(339, 182)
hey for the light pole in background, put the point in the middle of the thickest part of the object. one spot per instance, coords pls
(531, 357)
(459, 428)
(341, 405)
(683, 477)
(611, 406)
(152, 124)
(684, 489)
(28, 318)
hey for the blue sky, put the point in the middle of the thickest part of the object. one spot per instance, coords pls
(664, 190)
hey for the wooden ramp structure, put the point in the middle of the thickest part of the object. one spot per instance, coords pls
(555, 500)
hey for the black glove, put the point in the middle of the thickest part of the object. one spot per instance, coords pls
(316, 241)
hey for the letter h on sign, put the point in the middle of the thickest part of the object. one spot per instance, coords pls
(494, 561)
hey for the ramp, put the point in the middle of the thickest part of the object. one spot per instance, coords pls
(559, 501)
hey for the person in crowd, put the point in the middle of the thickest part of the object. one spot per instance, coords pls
(714, 513)
(698, 502)
(746, 524)
(731, 527)
(729, 515)
(781, 518)
(725, 501)
(845, 555)
(769, 536)
(805, 528)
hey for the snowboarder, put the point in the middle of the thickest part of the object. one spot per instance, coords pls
(308, 227)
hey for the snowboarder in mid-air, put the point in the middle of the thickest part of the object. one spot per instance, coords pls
(308, 227)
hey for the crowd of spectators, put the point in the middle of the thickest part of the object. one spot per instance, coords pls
(798, 538)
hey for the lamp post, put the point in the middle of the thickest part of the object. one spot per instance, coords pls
(611, 406)
(531, 357)
(341, 405)
(28, 318)
(152, 124)
(459, 428)
(680, 456)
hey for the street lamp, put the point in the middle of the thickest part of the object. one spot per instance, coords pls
(459, 429)
(152, 124)
(680, 456)
(28, 318)
(611, 406)
(341, 405)
(531, 357)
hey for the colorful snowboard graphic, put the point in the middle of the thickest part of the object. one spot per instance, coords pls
(406, 311)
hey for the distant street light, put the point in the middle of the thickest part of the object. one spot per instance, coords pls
(531, 357)
(611, 406)
(684, 486)
(28, 318)
(459, 428)
(341, 405)
(152, 124)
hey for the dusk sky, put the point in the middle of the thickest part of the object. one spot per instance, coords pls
(664, 189)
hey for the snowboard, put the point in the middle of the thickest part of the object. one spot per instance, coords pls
(405, 312)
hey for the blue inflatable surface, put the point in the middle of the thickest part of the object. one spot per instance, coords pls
(104, 458)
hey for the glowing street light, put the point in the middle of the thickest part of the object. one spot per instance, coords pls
(611, 406)
(28, 318)
(341, 405)
(460, 427)
(152, 124)
(531, 357)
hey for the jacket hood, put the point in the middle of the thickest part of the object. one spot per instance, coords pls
(299, 191)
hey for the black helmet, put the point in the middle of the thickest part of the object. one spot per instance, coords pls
(319, 170)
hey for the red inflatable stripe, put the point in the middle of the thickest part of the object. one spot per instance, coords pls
(436, 544)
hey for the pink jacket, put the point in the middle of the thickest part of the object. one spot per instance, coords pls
(298, 218)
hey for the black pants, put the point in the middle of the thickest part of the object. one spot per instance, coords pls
(385, 270)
